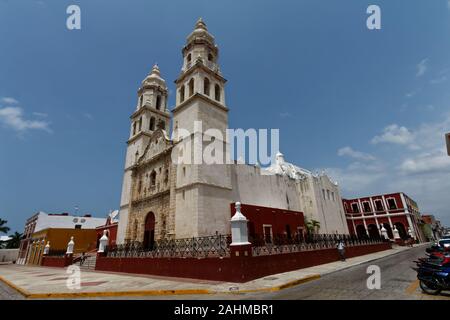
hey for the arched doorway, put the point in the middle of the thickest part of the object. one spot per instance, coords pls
(149, 231)
(401, 230)
(361, 231)
(373, 231)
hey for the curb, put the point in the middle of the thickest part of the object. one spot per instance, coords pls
(29, 295)
(373, 259)
(23, 292)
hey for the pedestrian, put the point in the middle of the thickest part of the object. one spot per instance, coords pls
(341, 249)
(82, 258)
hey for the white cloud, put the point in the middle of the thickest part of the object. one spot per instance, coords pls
(394, 134)
(13, 118)
(88, 116)
(422, 172)
(40, 114)
(426, 163)
(348, 151)
(422, 67)
(9, 100)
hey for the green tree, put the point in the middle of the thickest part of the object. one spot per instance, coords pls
(3, 227)
(312, 226)
(14, 242)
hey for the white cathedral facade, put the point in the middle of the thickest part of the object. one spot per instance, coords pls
(162, 199)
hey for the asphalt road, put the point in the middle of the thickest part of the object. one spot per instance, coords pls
(398, 282)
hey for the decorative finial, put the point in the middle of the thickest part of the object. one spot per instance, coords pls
(155, 69)
(200, 24)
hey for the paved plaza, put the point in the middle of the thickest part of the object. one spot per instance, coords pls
(44, 282)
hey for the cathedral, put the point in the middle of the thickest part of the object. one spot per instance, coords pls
(163, 199)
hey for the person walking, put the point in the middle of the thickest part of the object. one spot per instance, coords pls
(341, 249)
(82, 258)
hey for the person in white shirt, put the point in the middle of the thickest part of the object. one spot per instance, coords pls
(341, 249)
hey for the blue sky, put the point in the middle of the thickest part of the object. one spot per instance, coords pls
(369, 107)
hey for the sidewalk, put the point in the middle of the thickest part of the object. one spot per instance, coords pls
(46, 282)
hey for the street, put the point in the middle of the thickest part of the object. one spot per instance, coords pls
(398, 282)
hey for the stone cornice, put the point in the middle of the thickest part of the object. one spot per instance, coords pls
(150, 197)
(154, 158)
(198, 41)
(193, 184)
(182, 105)
(152, 86)
(151, 109)
(201, 65)
(138, 135)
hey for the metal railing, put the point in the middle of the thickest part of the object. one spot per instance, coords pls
(219, 246)
(198, 247)
(284, 244)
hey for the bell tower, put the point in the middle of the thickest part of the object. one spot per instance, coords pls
(202, 189)
(151, 113)
(200, 86)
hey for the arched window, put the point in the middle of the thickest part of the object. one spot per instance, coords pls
(217, 92)
(162, 124)
(158, 102)
(206, 86)
(182, 94)
(166, 175)
(153, 178)
(139, 186)
(189, 58)
(140, 124)
(134, 128)
(141, 100)
(191, 87)
(210, 57)
(152, 123)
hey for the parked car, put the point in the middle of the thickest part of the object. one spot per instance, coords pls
(444, 243)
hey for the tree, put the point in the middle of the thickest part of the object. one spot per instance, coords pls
(312, 226)
(3, 227)
(14, 241)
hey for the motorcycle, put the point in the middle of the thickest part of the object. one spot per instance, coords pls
(434, 274)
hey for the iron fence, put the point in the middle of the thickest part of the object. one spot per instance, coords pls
(56, 253)
(198, 247)
(219, 246)
(284, 244)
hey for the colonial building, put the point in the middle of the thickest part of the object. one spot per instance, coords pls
(395, 211)
(162, 198)
(46, 221)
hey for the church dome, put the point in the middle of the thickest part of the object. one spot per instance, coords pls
(283, 168)
(154, 77)
(200, 33)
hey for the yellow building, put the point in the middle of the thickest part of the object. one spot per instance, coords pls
(85, 240)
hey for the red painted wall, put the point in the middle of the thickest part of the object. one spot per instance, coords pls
(278, 218)
(233, 269)
(60, 262)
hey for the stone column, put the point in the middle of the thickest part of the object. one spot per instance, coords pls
(384, 234)
(103, 243)
(239, 234)
(47, 248)
(70, 246)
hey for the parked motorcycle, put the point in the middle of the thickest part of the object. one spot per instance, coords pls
(433, 273)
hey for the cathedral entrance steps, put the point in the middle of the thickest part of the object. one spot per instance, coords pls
(88, 264)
